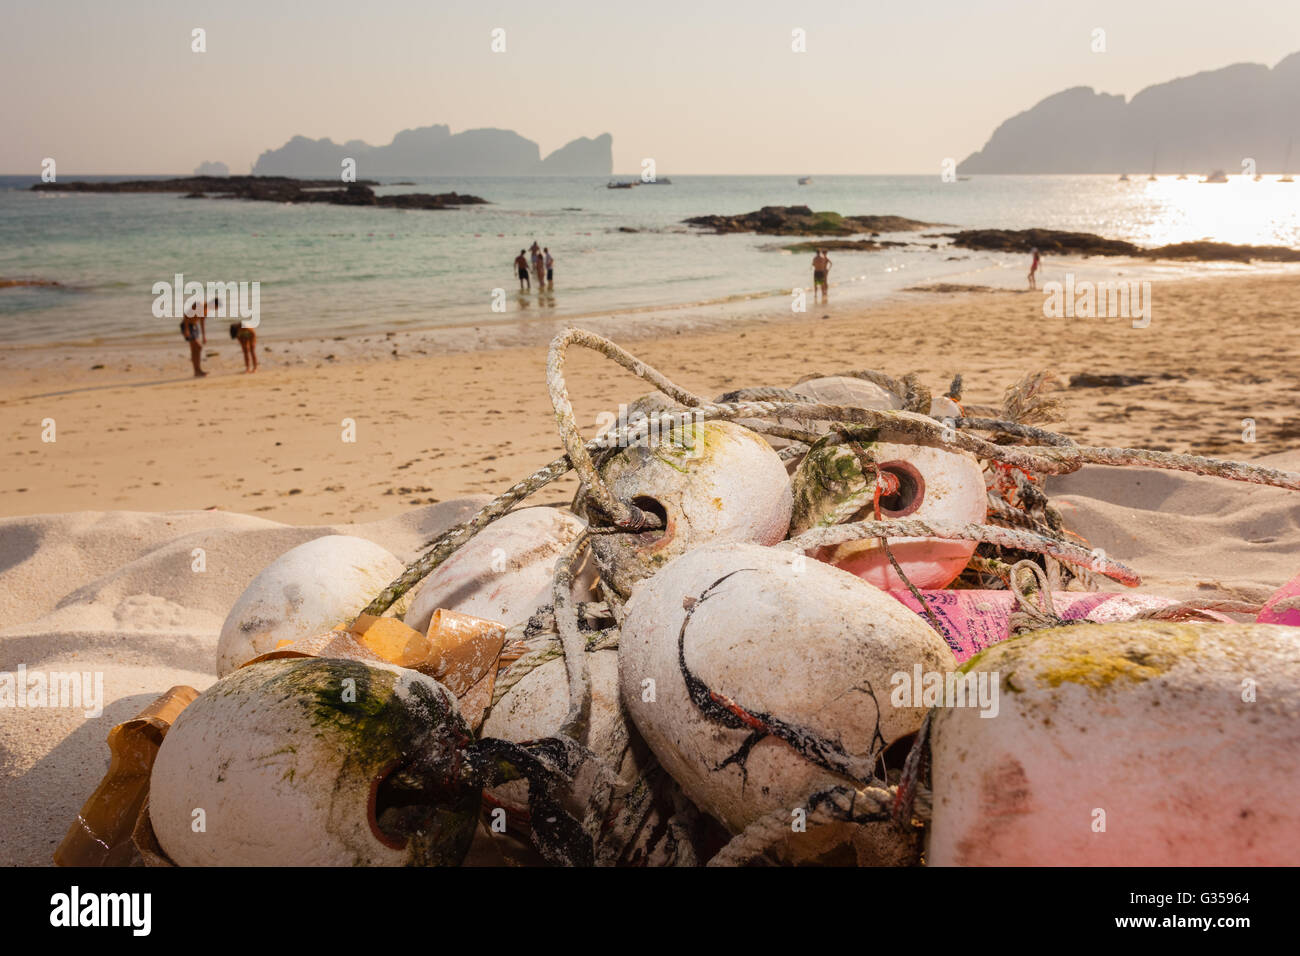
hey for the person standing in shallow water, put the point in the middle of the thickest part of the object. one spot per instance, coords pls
(821, 268)
(1033, 269)
(521, 267)
(539, 267)
(550, 268)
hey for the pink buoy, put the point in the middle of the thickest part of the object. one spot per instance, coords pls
(1272, 614)
(973, 620)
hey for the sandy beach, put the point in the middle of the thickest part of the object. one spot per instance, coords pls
(148, 464)
(463, 411)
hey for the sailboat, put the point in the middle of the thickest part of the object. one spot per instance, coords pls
(1286, 165)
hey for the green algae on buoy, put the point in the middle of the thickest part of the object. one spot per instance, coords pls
(315, 762)
(1136, 743)
(925, 483)
(707, 482)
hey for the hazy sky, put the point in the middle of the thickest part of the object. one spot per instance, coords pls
(703, 86)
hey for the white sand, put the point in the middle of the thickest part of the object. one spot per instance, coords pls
(113, 592)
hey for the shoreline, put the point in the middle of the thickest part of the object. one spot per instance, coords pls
(459, 411)
(772, 305)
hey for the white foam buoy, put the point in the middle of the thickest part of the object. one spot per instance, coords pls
(708, 482)
(303, 592)
(1141, 743)
(536, 707)
(860, 393)
(291, 762)
(758, 676)
(934, 484)
(847, 390)
(504, 573)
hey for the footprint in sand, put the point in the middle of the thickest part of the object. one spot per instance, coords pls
(148, 612)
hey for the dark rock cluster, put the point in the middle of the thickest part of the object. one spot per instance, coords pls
(1056, 242)
(272, 189)
(802, 221)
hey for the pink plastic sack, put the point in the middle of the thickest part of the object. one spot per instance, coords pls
(974, 620)
(1271, 615)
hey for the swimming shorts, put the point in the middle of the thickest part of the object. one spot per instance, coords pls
(819, 277)
(523, 273)
(246, 334)
(550, 274)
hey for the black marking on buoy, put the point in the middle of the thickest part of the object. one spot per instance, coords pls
(720, 709)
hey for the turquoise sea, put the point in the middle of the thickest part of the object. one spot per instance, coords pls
(333, 269)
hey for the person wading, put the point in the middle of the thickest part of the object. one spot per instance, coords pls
(821, 267)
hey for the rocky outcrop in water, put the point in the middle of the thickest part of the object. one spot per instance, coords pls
(1047, 241)
(802, 221)
(272, 189)
(1059, 243)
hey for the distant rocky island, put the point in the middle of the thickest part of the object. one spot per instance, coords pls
(1195, 124)
(436, 151)
(212, 169)
(802, 221)
(272, 189)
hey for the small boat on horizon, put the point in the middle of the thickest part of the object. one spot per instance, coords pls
(1218, 176)
(617, 185)
(1123, 177)
(805, 180)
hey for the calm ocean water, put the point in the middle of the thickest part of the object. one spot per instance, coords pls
(332, 269)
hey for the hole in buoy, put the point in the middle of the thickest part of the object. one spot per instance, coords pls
(895, 755)
(402, 801)
(910, 493)
(652, 506)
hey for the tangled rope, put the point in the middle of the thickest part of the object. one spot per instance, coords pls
(1057, 456)
(836, 805)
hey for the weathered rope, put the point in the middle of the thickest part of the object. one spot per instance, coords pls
(837, 805)
(1196, 464)
(1033, 593)
(1012, 428)
(623, 514)
(574, 645)
(1047, 459)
